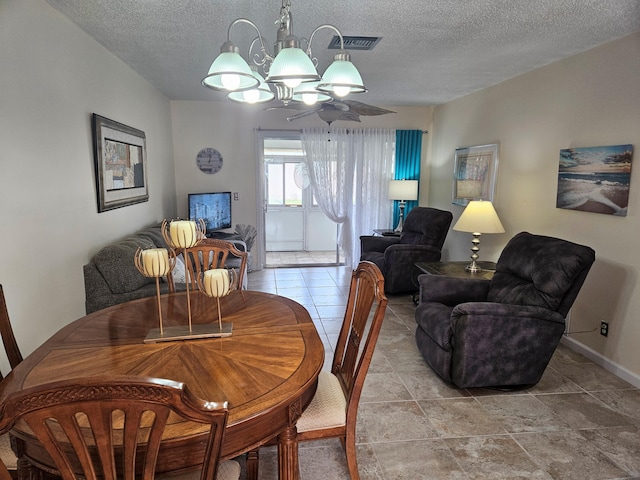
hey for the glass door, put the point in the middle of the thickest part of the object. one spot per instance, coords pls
(296, 230)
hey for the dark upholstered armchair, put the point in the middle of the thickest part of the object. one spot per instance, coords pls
(475, 332)
(423, 235)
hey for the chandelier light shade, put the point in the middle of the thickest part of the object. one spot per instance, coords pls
(289, 67)
(478, 217)
(309, 94)
(342, 77)
(292, 67)
(260, 94)
(229, 71)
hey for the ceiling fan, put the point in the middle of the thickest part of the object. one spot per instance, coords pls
(333, 110)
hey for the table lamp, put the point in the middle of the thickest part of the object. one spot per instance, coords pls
(478, 217)
(402, 190)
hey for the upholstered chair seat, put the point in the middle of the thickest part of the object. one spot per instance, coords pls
(328, 407)
(227, 470)
(6, 454)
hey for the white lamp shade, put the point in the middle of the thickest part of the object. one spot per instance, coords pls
(229, 72)
(479, 217)
(292, 66)
(403, 189)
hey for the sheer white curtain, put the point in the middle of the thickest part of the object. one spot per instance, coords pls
(375, 159)
(350, 172)
(330, 166)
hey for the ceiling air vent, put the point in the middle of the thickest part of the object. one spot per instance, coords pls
(354, 42)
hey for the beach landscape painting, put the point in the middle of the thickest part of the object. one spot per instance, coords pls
(595, 179)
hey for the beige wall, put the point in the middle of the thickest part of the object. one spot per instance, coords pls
(591, 99)
(232, 130)
(52, 78)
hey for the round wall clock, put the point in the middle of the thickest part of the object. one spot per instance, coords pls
(209, 160)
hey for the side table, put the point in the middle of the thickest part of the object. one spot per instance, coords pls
(452, 269)
(386, 232)
(456, 269)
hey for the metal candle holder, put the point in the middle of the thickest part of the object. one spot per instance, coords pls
(184, 234)
(155, 262)
(217, 283)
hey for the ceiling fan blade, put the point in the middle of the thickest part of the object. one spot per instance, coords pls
(303, 114)
(331, 116)
(336, 105)
(350, 116)
(289, 106)
(364, 109)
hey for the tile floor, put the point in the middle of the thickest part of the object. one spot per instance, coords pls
(580, 422)
(320, 257)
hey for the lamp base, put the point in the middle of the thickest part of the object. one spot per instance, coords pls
(170, 334)
(473, 267)
(398, 229)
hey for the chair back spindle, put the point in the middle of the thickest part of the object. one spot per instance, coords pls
(360, 330)
(210, 253)
(8, 339)
(111, 428)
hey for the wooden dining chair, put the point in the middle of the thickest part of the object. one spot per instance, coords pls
(14, 356)
(111, 427)
(8, 339)
(210, 253)
(334, 407)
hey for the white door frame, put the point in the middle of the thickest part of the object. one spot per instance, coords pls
(261, 205)
(260, 183)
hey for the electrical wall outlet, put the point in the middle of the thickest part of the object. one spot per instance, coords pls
(604, 329)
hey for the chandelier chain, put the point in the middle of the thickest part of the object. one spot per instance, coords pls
(285, 12)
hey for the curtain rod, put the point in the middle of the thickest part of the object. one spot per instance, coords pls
(424, 132)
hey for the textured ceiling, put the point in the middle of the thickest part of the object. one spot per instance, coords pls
(432, 51)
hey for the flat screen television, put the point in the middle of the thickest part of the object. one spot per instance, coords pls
(213, 208)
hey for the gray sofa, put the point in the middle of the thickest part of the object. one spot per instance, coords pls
(111, 277)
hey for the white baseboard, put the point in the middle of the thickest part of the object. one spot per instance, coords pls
(601, 360)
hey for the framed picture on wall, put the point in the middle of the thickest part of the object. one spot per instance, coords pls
(120, 157)
(595, 179)
(474, 174)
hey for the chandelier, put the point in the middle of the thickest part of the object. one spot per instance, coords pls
(291, 70)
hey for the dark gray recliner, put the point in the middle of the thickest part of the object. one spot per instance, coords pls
(421, 240)
(502, 332)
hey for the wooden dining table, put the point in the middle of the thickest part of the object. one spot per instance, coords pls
(266, 370)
